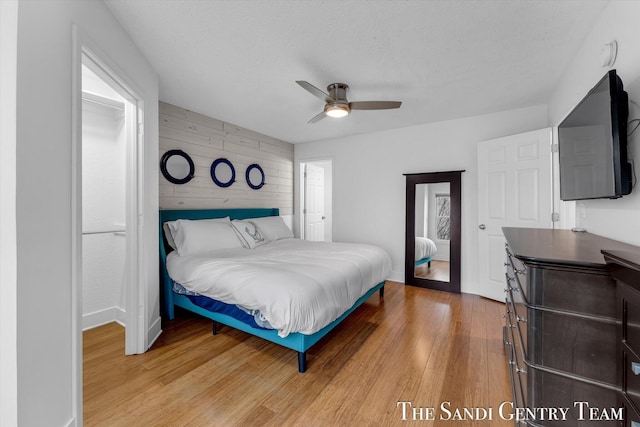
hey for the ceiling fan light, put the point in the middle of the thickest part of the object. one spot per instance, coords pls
(337, 111)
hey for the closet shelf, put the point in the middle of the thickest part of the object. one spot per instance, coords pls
(103, 101)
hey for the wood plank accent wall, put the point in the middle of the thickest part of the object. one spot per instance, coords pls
(205, 139)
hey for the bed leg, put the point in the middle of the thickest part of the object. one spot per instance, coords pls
(215, 328)
(382, 292)
(429, 264)
(302, 361)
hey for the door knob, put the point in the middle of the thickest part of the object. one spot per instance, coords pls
(482, 226)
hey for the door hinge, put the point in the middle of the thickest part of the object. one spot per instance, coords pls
(554, 148)
(555, 217)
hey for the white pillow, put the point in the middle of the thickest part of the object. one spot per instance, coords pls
(171, 228)
(195, 237)
(272, 228)
(249, 233)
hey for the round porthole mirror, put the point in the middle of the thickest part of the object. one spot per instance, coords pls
(223, 173)
(177, 167)
(255, 176)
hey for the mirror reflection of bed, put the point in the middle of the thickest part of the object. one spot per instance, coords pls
(432, 228)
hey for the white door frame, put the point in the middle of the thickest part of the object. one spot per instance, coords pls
(135, 301)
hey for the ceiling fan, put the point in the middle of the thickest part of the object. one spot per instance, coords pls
(336, 104)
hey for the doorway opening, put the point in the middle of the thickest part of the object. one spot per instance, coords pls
(316, 198)
(107, 194)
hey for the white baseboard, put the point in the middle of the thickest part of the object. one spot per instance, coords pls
(102, 317)
(154, 332)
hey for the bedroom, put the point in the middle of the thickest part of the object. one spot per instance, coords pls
(42, 382)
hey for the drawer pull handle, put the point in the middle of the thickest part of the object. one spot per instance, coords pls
(635, 368)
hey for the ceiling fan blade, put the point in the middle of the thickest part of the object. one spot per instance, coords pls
(317, 118)
(314, 90)
(374, 105)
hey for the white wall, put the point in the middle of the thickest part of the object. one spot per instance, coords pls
(444, 247)
(48, 383)
(617, 219)
(422, 210)
(8, 261)
(369, 186)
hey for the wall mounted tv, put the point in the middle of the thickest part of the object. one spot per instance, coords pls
(592, 143)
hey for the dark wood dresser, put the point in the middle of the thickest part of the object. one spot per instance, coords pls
(625, 269)
(561, 333)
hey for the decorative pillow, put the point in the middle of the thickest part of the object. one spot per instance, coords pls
(272, 228)
(171, 228)
(195, 237)
(249, 233)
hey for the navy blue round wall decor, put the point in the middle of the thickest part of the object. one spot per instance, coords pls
(255, 176)
(177, 166)
(222, 172)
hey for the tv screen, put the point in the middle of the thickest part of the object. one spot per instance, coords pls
(592, 144)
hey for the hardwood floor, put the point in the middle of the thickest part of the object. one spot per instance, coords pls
(415, 345)
(439, 270)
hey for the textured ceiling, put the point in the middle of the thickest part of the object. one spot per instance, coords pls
(238, 60)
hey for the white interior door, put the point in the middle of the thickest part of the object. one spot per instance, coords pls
(514, 190)
(314, 203)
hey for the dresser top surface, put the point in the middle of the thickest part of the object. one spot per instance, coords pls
(562, 247)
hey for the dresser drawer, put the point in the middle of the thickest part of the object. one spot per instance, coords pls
(517, 271)
(518, 311)
(572, 344)
(631, 380)
(549, 390)
(631, 417)
(517, 375)
(590, 293)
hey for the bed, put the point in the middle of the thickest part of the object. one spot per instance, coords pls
(425, 250)
(206, 284)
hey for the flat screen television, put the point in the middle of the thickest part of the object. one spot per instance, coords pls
(592, 144)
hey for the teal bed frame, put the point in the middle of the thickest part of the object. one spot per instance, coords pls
(295, 341)
(424, 261)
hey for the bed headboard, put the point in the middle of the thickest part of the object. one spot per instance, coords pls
(166, 286)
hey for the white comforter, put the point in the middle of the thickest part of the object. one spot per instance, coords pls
(298, 285)
(425, 248)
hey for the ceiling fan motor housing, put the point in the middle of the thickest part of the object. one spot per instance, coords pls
(338, 91)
